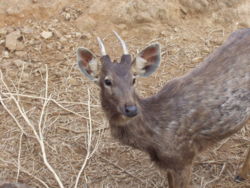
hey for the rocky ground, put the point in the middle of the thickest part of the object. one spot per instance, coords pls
(46, 102)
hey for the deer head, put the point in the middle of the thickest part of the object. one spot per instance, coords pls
(117, 79)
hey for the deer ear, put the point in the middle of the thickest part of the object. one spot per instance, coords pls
(147, 61)
(88, 64)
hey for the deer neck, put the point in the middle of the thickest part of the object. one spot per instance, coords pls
(130, 131)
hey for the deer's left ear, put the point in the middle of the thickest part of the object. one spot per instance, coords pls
(147, 61)
(88, 64)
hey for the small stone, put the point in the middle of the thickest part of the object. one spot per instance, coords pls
(67, 16)
(13, 10)
(63, 39)
(85, 23)
(163, 34)
(144, 17)
(6, 54)
(72, 81)
(78, 34)
(50, 46)
(27, 30)
(25, 76)
(86, 36)
(19, 63)
(122, 26)
(59, 46)
(57, 33)
(46, 34)
(21, 53)
(43, 70)
(10, 29)
(2, 42)
(19, 45)
(176, 29)
(3, 31)
(68, 36)
(12, 40)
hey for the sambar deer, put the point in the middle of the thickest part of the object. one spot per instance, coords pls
(187, 115)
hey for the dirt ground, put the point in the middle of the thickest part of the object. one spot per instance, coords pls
(52, 127)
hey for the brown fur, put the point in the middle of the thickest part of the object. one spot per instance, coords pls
(189, 113)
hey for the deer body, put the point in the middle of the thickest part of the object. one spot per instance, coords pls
(189, 113)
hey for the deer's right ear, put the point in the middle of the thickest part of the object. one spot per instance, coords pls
(88, 64)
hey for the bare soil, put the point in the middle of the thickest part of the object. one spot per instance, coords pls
(45, 101)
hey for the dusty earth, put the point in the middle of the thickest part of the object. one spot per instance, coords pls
(50, 114)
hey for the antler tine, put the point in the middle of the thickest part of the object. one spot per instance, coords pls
(124, 47)
(102, 47)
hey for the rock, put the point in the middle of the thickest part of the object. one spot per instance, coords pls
(6, 54)
(15, 10)
(68, 36)
(25, 76)
(27, 30)
(3, 31)
(143, 17)
(12, 42)
(122, 26)
(19, 45)
(19, 63)
(85, 36)
(85, 22)
(2, 42)
(21, 53)
(46, 34)
(78, 34)
(57, 33)
(72, 81)
(63, 39)
(163, 34)
(67, 16)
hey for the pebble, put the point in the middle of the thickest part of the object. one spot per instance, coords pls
(72, 81)
(2, 42)
(21, 53)
(3, 31)
(57, 33)
(63, 39)
(85, 23)
(19, 62)
(12, 42)
(85, 36)
(27, 30)
(46, 34)
(67, 16)
(78, 34)
(6, 54)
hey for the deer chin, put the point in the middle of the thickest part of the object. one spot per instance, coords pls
(122, 120)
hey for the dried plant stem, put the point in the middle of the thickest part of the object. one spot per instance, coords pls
(38, 134)
(12, 115)
(26, 172)
(54, 101)
(89, 140)
(18, 159)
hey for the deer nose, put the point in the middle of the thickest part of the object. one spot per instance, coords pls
(130, 111)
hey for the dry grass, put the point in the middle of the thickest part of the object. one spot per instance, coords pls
(53, 132)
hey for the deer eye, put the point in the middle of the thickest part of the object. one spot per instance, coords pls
(107, 82)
